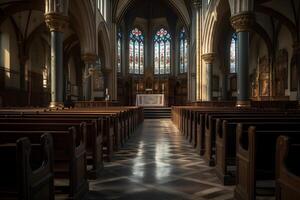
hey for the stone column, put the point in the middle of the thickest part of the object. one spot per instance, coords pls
(208, 59)
(197, 5)
(242, 24)
(56, 24)
(89, 61)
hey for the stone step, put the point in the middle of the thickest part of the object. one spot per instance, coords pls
(157, 113)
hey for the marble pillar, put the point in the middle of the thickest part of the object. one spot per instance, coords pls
(242, 23)
(198, 7)
(56, 24)
(208, 59)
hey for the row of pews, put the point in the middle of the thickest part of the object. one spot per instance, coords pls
(256, 149)
(52, 153)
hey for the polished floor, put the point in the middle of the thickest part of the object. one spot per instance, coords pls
(158, 164)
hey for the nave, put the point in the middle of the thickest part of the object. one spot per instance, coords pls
(158, 163)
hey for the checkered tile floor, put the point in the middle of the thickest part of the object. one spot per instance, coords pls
(158, 164)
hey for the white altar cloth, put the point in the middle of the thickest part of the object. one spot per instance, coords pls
(150, 100)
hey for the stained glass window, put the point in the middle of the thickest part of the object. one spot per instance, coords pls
(183, 55)
(119, 56)
(233, 53)
(162, 52)
(136, 52)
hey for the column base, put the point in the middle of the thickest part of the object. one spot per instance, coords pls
(56, 105)
(243, 104)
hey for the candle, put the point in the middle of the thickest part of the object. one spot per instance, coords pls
(163, 86)
(106, 91)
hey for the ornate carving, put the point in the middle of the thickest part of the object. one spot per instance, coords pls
(264, 76)
(208, 57)
(56, 22)
(243, 22)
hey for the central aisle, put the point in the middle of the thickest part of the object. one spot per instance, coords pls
(158, 164)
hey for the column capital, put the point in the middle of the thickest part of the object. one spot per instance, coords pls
(243, 22)
(197, 3)
(89, 58)
(56, 22)
(208, 58)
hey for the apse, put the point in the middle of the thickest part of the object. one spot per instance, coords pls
(152, 50)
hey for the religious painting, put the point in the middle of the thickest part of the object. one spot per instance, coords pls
(98, 82)
(294, 73)
(264, 76)
(281, 72)
(264, 83)
(215, 84)
(254, 85)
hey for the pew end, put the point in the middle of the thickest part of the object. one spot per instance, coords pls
(287, 169)
(29, 169)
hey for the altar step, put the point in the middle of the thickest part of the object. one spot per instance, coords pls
(157, 113)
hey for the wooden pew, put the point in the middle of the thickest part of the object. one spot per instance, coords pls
(106, 129)
(122, 123)
(226, 142)
(256, 157)
(26, 169)
(94, 137)
(287, 169)
(210, 126)
(69, 152)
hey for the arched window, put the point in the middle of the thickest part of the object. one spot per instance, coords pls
(119, 53)
(136, 52)
(162, 52)
(183, 54)
(233, 53)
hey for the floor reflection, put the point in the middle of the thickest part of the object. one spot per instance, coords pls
(157, 163)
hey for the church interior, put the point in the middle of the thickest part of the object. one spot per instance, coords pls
(150, 99)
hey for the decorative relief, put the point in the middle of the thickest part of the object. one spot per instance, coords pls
(243, 22)
(56, 22)
(208, 58)
(264, 76)
(260, 79)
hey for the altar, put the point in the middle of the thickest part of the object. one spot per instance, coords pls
(150, 100)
